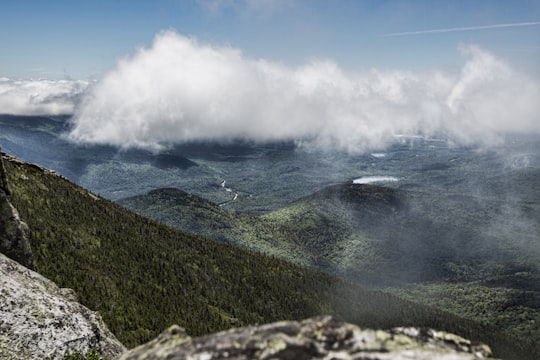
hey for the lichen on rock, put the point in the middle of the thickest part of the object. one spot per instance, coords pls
(316, 338)
(38, 320)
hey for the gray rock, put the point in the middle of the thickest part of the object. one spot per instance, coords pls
(316, 338)
(38, 320)
(14, 233)
(3, 175)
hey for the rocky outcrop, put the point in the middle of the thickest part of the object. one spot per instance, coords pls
(14, 233)
(4, 186)
(316, 338)
(38, 320)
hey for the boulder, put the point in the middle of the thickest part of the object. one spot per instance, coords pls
(39, 320)
(316, 338)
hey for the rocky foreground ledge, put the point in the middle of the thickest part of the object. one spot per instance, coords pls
(39, 320)
(316, 338)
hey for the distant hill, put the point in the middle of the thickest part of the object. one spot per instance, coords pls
(477, 257)
(142, 276)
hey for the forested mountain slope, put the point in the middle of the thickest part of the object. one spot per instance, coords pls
(475, 256)
(142, 276)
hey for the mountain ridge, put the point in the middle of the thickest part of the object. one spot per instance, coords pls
(112, 258)
(391, 238)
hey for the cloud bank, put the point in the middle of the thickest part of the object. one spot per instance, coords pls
(39, 97)
(180, 90)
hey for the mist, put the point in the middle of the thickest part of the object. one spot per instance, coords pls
(181, 90)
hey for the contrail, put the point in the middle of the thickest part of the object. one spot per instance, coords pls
(466, 28)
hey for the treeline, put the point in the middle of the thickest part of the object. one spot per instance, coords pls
(143, 276)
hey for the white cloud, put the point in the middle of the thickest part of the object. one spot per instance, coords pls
(489, 98)
(180, 90)
(39, 97)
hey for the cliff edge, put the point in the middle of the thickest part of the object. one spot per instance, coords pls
(14, 233)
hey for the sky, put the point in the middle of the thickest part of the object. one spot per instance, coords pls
(337, 73)
(83, 39)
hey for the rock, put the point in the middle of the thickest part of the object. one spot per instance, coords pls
(38, 320)
(3, 176)
(14, 233)
(316, 338)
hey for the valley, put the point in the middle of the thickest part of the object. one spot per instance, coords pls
(452, 228)
(142, 276)
(406, 242)
(270, 175)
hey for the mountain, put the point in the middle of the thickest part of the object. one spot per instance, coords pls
(142, 276)
(492, 282)
(474, 256)
(194, 214)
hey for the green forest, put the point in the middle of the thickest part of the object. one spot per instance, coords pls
(437, 249)
(143, 276)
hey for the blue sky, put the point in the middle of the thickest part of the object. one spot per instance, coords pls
(82, 39)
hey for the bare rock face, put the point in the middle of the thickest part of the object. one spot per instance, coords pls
(38, 320)
(316, 338)
(3, 175)
(14, 233)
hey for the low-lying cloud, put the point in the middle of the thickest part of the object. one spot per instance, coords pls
(180, 90)
(39, 97)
